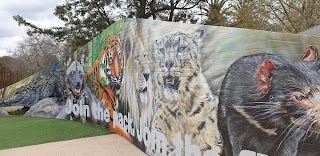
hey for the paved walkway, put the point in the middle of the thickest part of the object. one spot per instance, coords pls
(107, 145)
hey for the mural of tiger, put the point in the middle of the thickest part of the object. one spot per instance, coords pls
(105, 77)
(185, 103)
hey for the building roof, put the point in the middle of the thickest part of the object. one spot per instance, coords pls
(314, 31)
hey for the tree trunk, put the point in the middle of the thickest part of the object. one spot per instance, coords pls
(141, 9)
(171, 10)
(153, 9)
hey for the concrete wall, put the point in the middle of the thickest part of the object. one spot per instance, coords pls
(181, 89)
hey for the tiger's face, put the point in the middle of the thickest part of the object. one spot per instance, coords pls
(177, 59)
(111, 64)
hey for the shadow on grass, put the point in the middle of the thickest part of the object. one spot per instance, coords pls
(20, 111)
(18, 131)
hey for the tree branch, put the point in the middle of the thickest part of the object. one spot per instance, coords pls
(288, 16)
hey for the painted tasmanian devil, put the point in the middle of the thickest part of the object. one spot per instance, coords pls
(270, 104)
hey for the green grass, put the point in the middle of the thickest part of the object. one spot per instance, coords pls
(18, 131)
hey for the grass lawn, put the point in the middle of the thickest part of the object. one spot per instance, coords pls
(18, 131)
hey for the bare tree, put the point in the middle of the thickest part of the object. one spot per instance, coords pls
(35, 53)
(293, 15)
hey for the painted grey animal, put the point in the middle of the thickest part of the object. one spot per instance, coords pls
(48, 83)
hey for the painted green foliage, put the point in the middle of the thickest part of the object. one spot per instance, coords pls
(100, 41)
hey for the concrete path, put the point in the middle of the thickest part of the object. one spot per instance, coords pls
(106, 145)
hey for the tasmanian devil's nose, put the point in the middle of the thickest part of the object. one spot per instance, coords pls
(169, 64)
(146, 76)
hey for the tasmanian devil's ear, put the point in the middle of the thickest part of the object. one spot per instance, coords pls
(311, 54)
(264, 77)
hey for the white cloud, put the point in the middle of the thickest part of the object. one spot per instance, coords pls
(4, 53)
(38, 12)
(9, 42)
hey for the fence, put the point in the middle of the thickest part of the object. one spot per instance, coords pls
(7, 77)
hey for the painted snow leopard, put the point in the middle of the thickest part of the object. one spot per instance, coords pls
(185, 102)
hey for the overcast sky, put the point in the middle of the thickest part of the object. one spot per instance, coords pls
(38, 12)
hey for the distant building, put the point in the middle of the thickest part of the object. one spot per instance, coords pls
(314, 31)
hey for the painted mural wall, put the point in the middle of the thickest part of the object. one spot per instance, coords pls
(180, 89)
